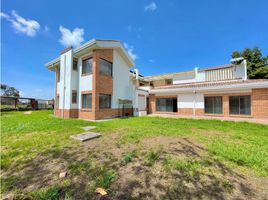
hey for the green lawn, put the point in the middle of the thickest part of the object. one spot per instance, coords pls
(25, 137)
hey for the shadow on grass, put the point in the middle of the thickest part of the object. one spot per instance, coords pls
(196, 179)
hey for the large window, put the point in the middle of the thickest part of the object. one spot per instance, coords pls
(106, 68)
(240, 105)
(74, 97)
(87, 66)
(213, 105)
(166, 104)
(105, 100)
(87, 101)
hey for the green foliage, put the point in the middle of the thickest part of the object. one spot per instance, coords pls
(9, 91)
(105, 177)
(257, 64)
(152, 156)
(128, 157)
(52, 193)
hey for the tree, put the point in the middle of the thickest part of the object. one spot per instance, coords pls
(9, 91)
(257, 64)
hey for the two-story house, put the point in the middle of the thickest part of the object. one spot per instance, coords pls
(94, 81)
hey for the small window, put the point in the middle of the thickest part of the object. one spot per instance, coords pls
(106, 67)
(213, 105)
(168, 81)
(87, 101)
(105, 100)
(240, 105)
(75, 65)
(87, 66)
(74, 97)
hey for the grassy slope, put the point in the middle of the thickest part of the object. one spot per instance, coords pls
(25, 136)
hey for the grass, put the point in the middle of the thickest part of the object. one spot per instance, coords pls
(25, 136)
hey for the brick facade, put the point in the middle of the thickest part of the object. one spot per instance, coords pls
(259, 105)
(101, 84)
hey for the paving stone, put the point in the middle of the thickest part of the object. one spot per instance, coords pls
(86, 136)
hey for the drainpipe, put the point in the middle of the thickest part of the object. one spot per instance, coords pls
(245, 69)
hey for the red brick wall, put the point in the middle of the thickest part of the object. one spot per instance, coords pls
(259, 103)
(67, 113)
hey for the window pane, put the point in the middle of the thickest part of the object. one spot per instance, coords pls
(87, 66)
(208, 105)
(74, 65)
(164, 105)
(234, 104)
(217, 105)
(74, 97)
(86, 101)
(105, 67)
(245, 105)
(213, 105)
(105, 101)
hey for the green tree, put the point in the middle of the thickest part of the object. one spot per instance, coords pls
(9, 91)
(257, 64)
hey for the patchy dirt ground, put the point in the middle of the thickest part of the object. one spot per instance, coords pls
(141, 175)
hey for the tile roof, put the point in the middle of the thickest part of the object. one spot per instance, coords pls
(211, 83)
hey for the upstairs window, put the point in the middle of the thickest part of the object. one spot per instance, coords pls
(240, 105)
(74, 97)
(106, 67)
(75, 65)
(213, 105)
(105, 101)
(87, 66)
(87, 101)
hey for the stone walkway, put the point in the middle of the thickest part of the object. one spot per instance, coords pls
(87, 135)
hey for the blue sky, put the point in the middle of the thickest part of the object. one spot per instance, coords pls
(163, 36)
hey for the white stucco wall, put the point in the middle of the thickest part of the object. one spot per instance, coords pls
(187, 78)
(190, 100)
(239, 71)
(122, 85)
(65, 80)
(201, 76)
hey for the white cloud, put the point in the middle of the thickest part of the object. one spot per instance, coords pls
(130, 51)
(150, 7)
(21, 25)
(71, 38)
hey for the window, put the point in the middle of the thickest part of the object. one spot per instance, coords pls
(168, 81)
(75, 65)
(87, 101)
(87, 66)
(213, 105)
(240, 105)
(105, 100)
(74, 97)
(166, 105)
(106, 67)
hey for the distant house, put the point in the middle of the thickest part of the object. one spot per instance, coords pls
(93, 82)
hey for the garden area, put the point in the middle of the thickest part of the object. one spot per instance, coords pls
(135, 158)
